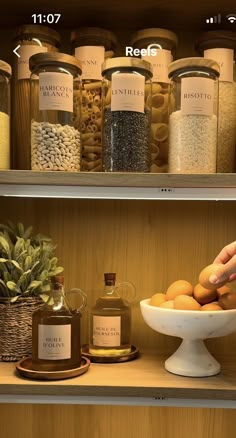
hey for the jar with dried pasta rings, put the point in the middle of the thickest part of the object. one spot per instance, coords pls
(92, 46)
(5, 76)
(193, 117)
(126, 115)
(221, 46)
(55, 141)
(32, 39)
(160, 45)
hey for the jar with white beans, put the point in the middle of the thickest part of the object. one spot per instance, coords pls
(158, 46)
(91, 46)
(220, 45)
(193, 116)
(55, 139)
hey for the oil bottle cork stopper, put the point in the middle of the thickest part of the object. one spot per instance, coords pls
(110, 278)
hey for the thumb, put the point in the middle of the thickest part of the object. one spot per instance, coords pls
(224, 272)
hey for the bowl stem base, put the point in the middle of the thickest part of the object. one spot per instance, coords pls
(192, 359)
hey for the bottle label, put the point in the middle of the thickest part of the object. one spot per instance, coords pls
(106, 331)
(25, 52)
(160, 64)
(197, 96)
(54, 342)
(92, 58)
(127, 92)
(56, 92)
(225, 59)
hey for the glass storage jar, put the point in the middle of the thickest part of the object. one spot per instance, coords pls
(221, 46)
(92, 46)
(193, 108)
(126, 115)
(32, 39)
(55, 141)
(5, 76)
(160, 45)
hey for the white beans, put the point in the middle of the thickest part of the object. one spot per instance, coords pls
(55, 147)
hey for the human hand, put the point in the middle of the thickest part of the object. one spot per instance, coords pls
(227, 258)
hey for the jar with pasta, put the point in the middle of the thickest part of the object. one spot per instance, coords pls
(221, 45)
(5, 76)
(55, 141)
(92, 46)
(158, 47)
(32, 39)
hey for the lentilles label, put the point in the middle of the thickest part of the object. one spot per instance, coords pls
(197, 96)
(127, 92)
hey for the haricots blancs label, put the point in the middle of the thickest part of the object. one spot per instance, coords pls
(127, 92)
(197, 96)
(225, 59)
(106, 331)
(54, 342)
(56, 92)
(25, 52)
(92, 58)
(160, 63)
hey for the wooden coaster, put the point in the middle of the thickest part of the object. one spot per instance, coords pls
(110, 359)
(24, 368)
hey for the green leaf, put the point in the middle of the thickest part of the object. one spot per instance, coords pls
(34, 284)
(56, 271)
(12, 286)
(14, 299)
(20, 229)
(44, 297)
(4, 244)
(28, 233)
(15, 264)
(27, 263)
(19, 247)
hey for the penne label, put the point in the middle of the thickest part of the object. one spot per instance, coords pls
(127, 92)
(92, 58)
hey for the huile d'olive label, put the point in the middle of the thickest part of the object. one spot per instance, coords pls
(54, 342)
(56, 92)
(127, 92)
(197, 96)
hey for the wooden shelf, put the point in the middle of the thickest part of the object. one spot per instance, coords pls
(144, 377)
(21, 183)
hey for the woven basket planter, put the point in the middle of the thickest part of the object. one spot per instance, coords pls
(16, 327)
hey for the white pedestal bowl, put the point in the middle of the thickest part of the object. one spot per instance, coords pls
(192, 358)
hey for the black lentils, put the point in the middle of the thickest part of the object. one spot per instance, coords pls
(126, 141)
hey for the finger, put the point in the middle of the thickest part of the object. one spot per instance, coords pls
(225, 272)
(232, 277)
(226, 253)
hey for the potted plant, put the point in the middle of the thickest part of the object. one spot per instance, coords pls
(27, 262)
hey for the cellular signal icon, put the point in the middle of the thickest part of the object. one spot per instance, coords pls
(231, 18)
(215, 19)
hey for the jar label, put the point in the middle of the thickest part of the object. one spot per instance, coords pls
(92, 58)
(127, 92)
(54, 342)
(106, 331)
(225, 59)
(56, 92)
(25, 52)
(160, 64)
(197, 96)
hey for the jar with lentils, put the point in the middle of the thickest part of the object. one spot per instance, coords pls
(32, 39)
(158, 46)
(55, 140)
(91, 46)
(126, 115)
(193, 117)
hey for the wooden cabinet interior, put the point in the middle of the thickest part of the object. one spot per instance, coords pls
(149, 243)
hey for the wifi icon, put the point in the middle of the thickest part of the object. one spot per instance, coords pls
(231, 18)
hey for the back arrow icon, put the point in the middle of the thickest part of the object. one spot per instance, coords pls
(15, 51)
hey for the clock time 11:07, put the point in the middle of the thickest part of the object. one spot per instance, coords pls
(46, 18)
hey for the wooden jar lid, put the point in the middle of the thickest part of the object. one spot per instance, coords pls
(195, 63)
